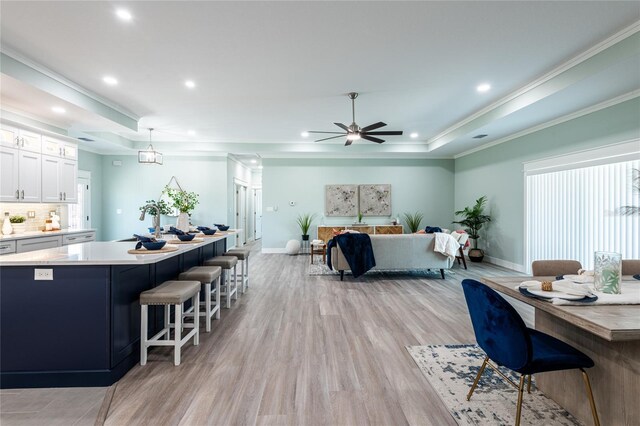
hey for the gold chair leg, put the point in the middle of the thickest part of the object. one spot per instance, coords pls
(592, 402)
(529, 384)
(475, 383)
(520, 391)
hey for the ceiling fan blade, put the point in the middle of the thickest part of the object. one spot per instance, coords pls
(385, 133)
(316, 131)
(373, 126)
(342, 126)
(332, 137)
(348, 142)
(371, 138)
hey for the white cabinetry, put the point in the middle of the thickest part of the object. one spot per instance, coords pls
(58, 148)
(19, 175)
(80, 237)
(39, 243)
(9, 187)
(51, 192)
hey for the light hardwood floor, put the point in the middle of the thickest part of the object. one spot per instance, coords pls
(295, 349)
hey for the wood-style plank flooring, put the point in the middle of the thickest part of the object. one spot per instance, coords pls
(302, 350)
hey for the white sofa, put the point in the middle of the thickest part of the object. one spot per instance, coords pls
(399, 252)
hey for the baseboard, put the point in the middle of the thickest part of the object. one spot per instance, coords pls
(505, 264)
(274, 250)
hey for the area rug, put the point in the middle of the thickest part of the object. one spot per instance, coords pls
(319, 268)
(451, 370)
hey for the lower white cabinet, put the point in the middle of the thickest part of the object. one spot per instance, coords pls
(80, 237)
(38, 243)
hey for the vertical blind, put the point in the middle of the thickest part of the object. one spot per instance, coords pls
(570, 214)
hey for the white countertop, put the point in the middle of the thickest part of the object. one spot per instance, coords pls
(37, 234)
(99, 253)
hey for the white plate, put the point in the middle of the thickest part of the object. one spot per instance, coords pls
(554, 294)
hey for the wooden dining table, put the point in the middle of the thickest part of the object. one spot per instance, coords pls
(609, 334)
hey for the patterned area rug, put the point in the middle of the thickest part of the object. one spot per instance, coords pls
(319, 268)
(451, 370)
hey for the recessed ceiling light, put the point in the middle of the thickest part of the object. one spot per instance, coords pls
(190, 84)
(191, 132)
(484, 87)
(124, 14)
(304, 134)
(413, 135)
(260, 167)
(254, 161)
(58, 110)
(111, 81)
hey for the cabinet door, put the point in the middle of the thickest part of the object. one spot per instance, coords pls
(68, 181)
(51, 192)
(30, 172)
(9, 136)
(9, 186)
(69, 151)
(30, 141)
(51, 146)
(39, 243)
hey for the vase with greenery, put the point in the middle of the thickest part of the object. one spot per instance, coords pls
(413, 221)
(18, 224)
(473, 218)
(155, 210)
(184, 202)
(304, 222)
(635, 183)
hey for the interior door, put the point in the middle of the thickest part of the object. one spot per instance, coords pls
(257, 213)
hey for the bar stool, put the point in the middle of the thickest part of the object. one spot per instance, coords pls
(242, 254)
(166, 294)
(226, 263)
(206, 275)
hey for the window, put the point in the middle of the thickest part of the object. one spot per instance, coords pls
(573, 209)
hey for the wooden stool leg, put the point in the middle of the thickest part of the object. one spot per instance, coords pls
(167, 318)
(196, 318)
(143, 334)
(235, 281)
(227, 284)
(217, 298)
(247, 272)
(207, 307)
(178, 334)
(242, 276)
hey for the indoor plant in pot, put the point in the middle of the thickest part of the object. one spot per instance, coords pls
(184, 202)
(304, 222)
(473, 219)
(17, 222)
(156, 208)
(413, 221)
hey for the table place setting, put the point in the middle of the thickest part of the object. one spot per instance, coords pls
(578, 290)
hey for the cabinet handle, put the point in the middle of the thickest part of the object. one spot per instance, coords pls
(60, 198)
(22, 146)
(64, 196)
(17, 141)
(22, 194)
(17, 194)
(4, 247)
(71, 238)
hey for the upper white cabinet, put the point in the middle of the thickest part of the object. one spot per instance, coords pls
(36, 168)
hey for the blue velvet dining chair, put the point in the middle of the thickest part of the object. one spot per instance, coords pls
(507, 341)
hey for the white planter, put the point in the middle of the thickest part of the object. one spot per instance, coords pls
(19, 228)
(183, 222)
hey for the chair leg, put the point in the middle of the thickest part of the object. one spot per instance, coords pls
(464, 261)
(143, 334)
(475, 382)
(218, 298)
(592, 402)
(235, 282)
(442, 273)
(520, 391)
(196, 318)
(177, 337)
(529, 384)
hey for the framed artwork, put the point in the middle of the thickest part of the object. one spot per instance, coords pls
(341, 200)
(375, 200)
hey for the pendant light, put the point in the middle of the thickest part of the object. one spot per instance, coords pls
(150, 155)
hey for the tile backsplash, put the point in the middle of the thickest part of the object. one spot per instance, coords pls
(41, 210)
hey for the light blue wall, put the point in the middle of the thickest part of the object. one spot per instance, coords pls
(498, 171)
(127, 187)
(416, 185)
(93, 163)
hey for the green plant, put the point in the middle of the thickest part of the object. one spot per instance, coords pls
(473, 219)
(359, 217)
(413, 221)
(17, 219)
(162, 206)
(184, 201)
(632, 210)
(304, 222)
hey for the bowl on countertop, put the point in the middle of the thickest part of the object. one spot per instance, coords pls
(152, 230)
(222, 227)
(154, 245)
(208, 231)
(186, 237)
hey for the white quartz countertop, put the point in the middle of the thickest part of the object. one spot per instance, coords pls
(100, 253)
(38, 234)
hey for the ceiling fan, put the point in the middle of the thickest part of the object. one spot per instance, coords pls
(355, 132)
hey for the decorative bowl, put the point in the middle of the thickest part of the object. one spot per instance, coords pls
(154, 245)
(186, 237)
(209, 231)
(223, 227)
(152, 230)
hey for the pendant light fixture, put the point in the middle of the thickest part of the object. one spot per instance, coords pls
(150, 155)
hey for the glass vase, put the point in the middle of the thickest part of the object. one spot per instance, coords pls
(607, 272)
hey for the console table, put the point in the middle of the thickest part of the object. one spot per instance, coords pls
(325, 233)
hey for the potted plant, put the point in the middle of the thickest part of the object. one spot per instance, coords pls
(150, 208)
(17, 223)
(184, 202)
(304, 222)
(413, 221)
(473, 219)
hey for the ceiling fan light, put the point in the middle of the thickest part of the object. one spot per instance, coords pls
(353, 136)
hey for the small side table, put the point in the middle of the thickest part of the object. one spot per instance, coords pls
(319, 249)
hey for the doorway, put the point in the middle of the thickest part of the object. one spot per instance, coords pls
(257, 214)
(240, 203)
(80, 212)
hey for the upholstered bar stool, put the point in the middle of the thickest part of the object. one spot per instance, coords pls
(242, 254)
(166, 294)
(228, 286)
(207, 276)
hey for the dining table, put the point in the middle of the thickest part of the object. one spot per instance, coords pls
(609, 334)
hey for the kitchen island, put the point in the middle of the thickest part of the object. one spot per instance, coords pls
(79, 323)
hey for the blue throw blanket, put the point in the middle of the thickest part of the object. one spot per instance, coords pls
(356, 249)
(432, 229)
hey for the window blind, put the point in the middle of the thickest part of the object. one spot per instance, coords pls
(572, 213)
